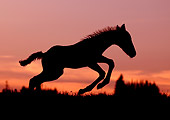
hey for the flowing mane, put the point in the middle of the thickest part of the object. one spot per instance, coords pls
(99, 33)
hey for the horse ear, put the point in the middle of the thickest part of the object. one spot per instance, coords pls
(123, 27)
(117, 27)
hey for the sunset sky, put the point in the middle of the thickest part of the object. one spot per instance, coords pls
(28, 26)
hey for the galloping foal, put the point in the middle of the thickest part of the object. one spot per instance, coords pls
(86, 53)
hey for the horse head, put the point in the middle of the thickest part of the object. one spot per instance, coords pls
(125, 41)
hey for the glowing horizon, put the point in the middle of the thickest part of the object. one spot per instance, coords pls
(75, 79)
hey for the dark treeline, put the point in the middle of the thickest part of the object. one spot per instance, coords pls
(125, 93)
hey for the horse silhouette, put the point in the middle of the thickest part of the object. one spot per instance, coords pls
(86, 53)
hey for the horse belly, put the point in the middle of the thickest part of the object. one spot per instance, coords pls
(78, 59)
(74, 61)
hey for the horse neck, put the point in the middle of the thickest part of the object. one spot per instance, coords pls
(108, 41)
(99, 43)
(103, 43)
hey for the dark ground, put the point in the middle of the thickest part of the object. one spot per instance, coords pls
(143, 94)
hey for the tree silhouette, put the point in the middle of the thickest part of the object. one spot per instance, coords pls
(141, 89)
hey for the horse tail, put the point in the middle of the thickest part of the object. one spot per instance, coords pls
(34, 56)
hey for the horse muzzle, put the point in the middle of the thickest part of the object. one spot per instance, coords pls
(132, 55)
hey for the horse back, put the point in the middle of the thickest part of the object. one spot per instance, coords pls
(69, 56)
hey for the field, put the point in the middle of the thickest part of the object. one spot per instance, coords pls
(131, 94)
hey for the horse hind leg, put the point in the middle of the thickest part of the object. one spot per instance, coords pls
(35, 82)
(44, 76)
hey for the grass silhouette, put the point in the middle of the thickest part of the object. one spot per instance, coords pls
(142, 93)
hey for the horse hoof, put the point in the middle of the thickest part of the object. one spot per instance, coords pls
(100, 85)
(81, 91)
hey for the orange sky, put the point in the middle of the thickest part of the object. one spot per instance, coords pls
(34, 25)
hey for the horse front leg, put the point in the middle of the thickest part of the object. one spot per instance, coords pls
(101, 72)
(111, 66)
